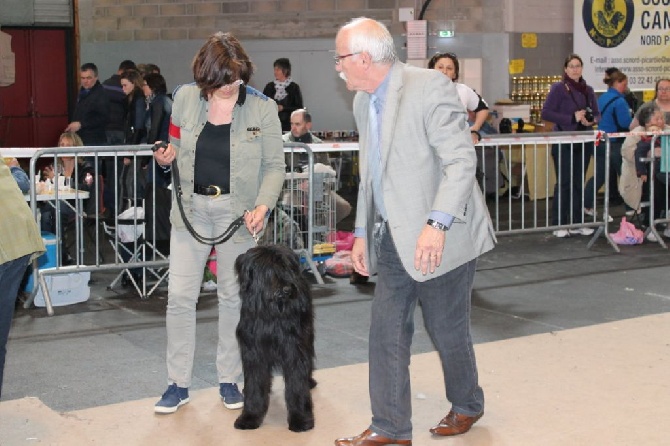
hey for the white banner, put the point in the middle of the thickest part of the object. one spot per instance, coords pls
(632, 35)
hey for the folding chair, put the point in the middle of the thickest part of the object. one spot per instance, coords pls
(126, 236)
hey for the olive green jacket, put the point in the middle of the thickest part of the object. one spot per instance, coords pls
(19, 234)
(257, 167)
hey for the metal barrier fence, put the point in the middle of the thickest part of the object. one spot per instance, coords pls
(525, 181)
(521, 174)
(95, 221)
(306, 200)
(518, 176)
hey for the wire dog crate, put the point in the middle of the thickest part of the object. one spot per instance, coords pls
(307, 226)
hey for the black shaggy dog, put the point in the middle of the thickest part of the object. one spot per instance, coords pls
(276, 331)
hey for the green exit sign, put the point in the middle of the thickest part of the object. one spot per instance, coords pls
(446, 34)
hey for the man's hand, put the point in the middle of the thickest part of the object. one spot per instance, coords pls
(74, 126)
(358, 257)
(429, 247)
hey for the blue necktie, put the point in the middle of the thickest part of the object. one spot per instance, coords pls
(375, 156)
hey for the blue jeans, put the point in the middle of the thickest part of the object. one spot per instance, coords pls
(446, 307)
(596, 182)
(569, 166)
(11, 274)
(210, 217)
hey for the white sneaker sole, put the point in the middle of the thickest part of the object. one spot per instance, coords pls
(165, 409)
(234, 405)
(583, 231)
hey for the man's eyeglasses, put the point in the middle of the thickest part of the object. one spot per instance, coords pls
(664, 89)
(339, 58)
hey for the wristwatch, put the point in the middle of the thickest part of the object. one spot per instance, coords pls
(437, 225)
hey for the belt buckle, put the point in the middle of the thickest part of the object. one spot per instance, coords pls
(217, 189)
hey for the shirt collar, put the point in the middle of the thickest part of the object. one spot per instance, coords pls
(380, 92)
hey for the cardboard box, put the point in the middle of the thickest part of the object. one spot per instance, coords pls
(65, 288)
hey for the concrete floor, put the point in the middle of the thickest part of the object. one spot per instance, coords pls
(535, 296)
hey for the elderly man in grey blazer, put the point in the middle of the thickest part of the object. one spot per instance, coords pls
(421, 223)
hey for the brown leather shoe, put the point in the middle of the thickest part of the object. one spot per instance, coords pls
(454, 424)
(369, 438)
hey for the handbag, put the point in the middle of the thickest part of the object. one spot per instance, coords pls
(627, 234)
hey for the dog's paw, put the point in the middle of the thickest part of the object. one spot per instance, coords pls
(297, 424)
(247, 422)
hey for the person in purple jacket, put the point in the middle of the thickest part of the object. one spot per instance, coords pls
(571, 105)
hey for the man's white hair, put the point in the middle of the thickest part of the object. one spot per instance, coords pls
(370, 36)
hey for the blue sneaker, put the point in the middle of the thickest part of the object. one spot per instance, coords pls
(172, 399)
(231, 396)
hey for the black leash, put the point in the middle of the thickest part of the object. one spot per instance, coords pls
(225, 236)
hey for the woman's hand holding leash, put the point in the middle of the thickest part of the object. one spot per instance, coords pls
(255, 219)
(164, 153)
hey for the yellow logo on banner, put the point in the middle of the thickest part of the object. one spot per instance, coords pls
(608, 22)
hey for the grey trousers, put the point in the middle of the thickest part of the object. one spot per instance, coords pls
(445, 302)
(187, 263)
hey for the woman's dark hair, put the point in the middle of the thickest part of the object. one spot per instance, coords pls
(433, 61)
(135, 78)
(284, 65)
(613, 75)
(156, 83)
(570, 57)
(220, 61)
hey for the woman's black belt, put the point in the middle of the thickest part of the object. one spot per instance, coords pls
(210, 190)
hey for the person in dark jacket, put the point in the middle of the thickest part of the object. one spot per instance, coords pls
(117, 104)
(159, 107)
(158, 199)
(285, 92)
(132, 177)
(91, 113)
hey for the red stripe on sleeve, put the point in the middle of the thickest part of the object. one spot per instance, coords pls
(175, 131)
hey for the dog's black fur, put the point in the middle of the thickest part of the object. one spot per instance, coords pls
(276, 330)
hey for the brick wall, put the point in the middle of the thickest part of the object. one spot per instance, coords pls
(147, 20)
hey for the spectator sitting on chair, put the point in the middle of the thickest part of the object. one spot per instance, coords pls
(634, 185)
(301, 125)
(81, 177)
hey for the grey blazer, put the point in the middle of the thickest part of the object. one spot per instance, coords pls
(428, 164)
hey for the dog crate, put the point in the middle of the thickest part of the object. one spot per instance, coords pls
(306, 225)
